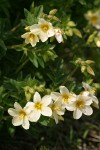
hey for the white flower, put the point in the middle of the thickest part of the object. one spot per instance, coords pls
(98, 40)
(20, 115)
(44, 28)
(30, 37)
(57, 110)
(89, 91)
(39, 106)
(86, 86)
(65, 96)
(98, 43)
(93, 18)
(58, 35)
(81, 105)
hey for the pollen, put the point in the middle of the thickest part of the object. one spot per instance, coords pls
(65, 98)
(38, 105)
(44, 27)
(22, 114)
(31, 37)
(55, 108)
(94, 19)
(80, 104)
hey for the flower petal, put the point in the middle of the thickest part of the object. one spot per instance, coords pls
(46, 111)
(89, 101)
(41, 21)
(25, 35)
(55, 116)
(95, 100)
(61, 112)
(55, 95)
(12, 112)
(17, 121)
(70, 107)
(87, 111)
(85, 93)
(59, 38)
(77, 114)
(29, 104)
(37, 97)
(34, 28)
(43, 36)
(86, 86)
(25, 123)
(64, 90)
(17, 106)
(34, 116)
(29, 107)
(46, 100)
(50, 32)
(33, 43)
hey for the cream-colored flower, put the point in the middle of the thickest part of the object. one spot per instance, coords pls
(98, 43)
(65, 96)
(89, 91)
(20, 115)
(39, 107)
(30, 37)
(57, 110)
(98, 40)
(44, 28)
(81, 106)
(58, 35)
(93, 18)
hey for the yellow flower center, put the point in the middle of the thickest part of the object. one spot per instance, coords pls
(94, 19)
(55, 108)
(31, 37)
(80, 104)
(45, 27)
(22, 114)
(65, 98)
(38, 105)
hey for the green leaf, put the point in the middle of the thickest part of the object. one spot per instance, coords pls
(32, 7)
(29, 17)
(46, 121)
(71, 24)
(38, 11)
(33, 59)
(83, 2)
(41, 62)
(77, 32)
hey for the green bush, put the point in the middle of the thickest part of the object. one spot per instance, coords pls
(46, 46)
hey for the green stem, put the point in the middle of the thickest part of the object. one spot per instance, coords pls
(22, 65)
(70, 74)
(15, 46)
(15, 28)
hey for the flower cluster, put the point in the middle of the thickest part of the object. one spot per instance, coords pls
(41, 31)
(54, 106)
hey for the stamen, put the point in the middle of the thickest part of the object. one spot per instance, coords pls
(38, 105)
(45, 27)
(80, 104)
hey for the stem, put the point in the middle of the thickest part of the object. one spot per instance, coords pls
(15, 28)
(71, 74)
(15, 46)
(22, 65)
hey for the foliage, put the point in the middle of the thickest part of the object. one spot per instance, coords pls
(43, 68)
